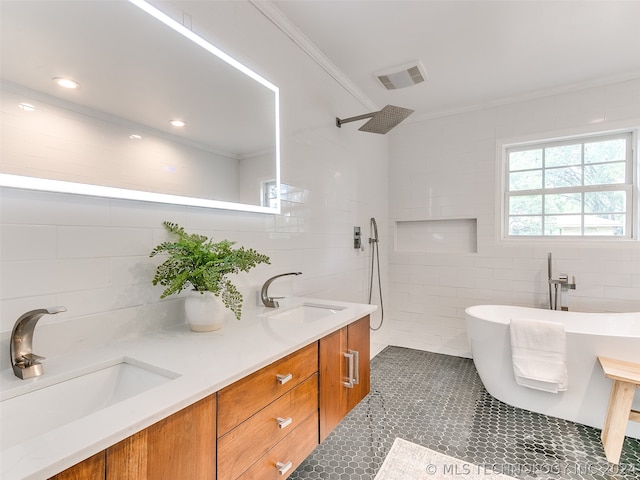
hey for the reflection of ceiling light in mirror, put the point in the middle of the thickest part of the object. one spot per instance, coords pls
(66, 82)
(187, 33)
(135, 136)
(177, 123)
(27, 107)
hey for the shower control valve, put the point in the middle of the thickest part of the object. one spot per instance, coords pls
(357, 238)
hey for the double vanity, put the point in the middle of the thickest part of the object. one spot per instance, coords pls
(249, 401)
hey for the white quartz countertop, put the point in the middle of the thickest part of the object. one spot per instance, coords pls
(202, 363)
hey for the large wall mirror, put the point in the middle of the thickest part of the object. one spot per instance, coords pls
(136, 70)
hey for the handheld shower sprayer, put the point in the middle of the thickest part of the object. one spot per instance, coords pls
(374, 231)
(375, 254)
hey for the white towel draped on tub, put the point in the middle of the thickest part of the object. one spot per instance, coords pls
(538, 352)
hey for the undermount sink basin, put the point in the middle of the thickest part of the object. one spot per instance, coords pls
(31, 414)
(307, 313)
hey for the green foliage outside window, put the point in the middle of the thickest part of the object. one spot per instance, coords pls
(572, 188)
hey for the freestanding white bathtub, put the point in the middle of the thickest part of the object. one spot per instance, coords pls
(615, 335)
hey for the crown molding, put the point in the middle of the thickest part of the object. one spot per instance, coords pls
(280, 20)
(284, 24)
(525, 97)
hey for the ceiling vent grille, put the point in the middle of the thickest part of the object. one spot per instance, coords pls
(402, 76)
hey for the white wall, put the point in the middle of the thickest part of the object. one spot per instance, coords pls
(91, 254)
(446, 168)
(60, 141)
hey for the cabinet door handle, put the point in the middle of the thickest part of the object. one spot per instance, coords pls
(283, 467)
(356, 368)
(284, 422)
(349, 382)
(282, 379)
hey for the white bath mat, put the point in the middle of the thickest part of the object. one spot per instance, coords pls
(408, 461)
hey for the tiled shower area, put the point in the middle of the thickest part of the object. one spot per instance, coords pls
(438, 401)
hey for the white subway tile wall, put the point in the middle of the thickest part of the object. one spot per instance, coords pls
(92, 254)
(446, 168)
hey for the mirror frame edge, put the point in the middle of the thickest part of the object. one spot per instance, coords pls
(59, 186)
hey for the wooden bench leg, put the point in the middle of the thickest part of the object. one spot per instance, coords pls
(615, 422)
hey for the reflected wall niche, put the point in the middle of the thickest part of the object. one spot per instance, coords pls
(111, 136)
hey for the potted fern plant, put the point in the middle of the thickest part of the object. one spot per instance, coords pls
(196, 262)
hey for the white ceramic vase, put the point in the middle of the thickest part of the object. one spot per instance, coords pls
(204, 311)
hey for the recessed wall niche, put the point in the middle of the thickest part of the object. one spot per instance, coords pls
(458, 235)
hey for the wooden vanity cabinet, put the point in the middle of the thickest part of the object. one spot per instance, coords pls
(284, 457)
(181, 446)
(260, 427)
(93, 468)
(341, 390)
(268, 421)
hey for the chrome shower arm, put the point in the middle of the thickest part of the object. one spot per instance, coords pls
(339, 121)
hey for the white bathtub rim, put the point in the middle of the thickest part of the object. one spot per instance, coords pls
(623, 324)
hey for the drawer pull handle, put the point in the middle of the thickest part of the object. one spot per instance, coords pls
(282, 379)
(349, 383)
(356, 368)
(284, 422)
(283, 467)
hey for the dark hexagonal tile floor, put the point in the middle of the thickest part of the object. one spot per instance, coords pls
(438, 401)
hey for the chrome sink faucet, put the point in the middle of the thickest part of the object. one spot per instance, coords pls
(268, 301)
(25, 363)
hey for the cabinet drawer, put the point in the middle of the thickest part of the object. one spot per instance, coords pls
(242, 399)
(294, 448)
(242, 446)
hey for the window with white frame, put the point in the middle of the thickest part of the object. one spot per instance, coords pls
(577, 187)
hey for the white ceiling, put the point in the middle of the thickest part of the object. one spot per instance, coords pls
(475, 52)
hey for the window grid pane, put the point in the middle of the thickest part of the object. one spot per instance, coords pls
(529, 225)
(564, 197)
(605, 151)
(612, 225)
(526, 180)
(605, 174)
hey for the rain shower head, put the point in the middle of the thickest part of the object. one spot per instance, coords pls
(381, 121)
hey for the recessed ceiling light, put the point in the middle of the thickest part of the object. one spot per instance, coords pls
(177, 123)
(135, 136)
(27, 107)
(66, 82)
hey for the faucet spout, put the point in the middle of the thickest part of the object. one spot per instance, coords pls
(264, 294)
(25, 363)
